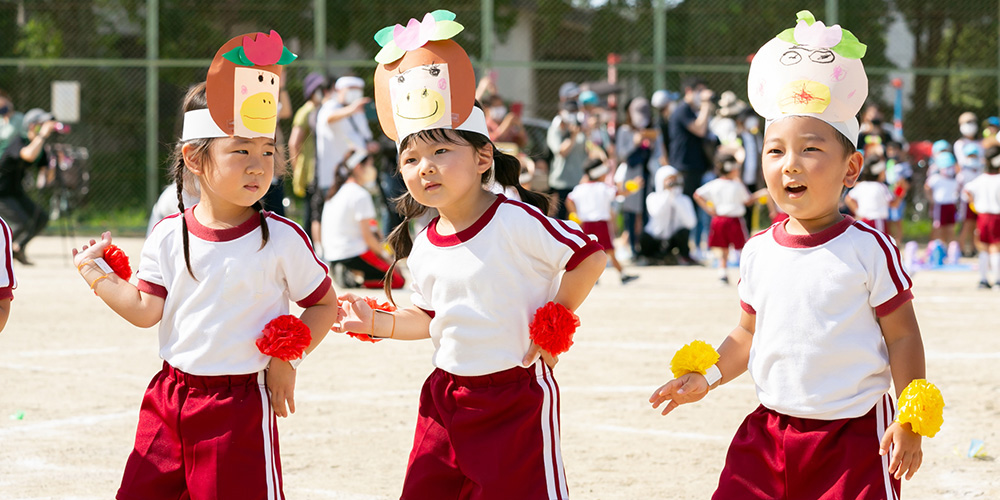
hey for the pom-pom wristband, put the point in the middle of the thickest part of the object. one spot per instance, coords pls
(713, 375)
(922, 406)
(553, 327)
(697, 357)
(285, 337)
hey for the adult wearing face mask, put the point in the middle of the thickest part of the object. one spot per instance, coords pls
(567, 139)
(638, 148)
(504, 125)
(688, 136)
(25, 149)
(302, 142)
(748, 131)
(873, 132)
(341, 127)
(671, 217)
(352, 244)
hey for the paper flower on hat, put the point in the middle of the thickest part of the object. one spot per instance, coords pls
(810, 69)
(398, 40)
(243, 83)
(424, 80)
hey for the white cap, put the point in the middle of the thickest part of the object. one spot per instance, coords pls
(349, 82)
(660, 99)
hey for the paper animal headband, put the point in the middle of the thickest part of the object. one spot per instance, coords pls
(241, 89)
(424, 79)
(810, 70)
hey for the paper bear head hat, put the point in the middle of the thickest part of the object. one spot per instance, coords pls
(424, 79)
(810, 70)
(241, 89)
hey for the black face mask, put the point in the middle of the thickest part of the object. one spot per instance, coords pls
(4, 110)
(877, 122)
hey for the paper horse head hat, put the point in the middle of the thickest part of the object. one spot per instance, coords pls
(424, 79)
(810, 70)
(241, 89)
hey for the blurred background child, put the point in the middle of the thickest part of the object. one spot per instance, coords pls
(591, 201)
(870, 199)
(725, 199)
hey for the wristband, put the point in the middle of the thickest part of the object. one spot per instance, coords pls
(699, 357)
(922, 406)
(285, 337)
(713, 375)
(103, 264)
(298, 361)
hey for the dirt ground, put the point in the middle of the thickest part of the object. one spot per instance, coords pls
(73, 374)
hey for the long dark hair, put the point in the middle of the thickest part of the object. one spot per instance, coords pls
(195, 99)
(506, 170)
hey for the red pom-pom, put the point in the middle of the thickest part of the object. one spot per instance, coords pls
(552, 328)
(116, 258)
(374, 304)
(285, 337)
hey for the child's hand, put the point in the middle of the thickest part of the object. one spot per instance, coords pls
(688, 388)
(534, 351)
(906, 454)
(353, 315)
(92, 251)
(281, 383)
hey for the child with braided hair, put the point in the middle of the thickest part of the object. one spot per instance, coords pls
(215, 277)
(495, 282)
(827, 325)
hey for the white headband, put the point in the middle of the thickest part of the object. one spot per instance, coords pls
(850, 128)
(198, 124)
(476, 122)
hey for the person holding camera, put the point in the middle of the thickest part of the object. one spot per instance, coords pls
(690, 139)
(25, 150)
(567, 139)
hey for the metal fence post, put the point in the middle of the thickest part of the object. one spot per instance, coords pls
(152, 98)
(659, 44)
(832, 12)
(486, 37)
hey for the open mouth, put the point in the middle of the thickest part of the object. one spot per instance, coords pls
(795, 188)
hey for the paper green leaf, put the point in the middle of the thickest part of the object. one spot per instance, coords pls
(805, 15)
(389, 53)
(447, 29)
(384, 36)
(787, 36)
(286, 56)
(850, 47)
(443, 15)
(238, 57)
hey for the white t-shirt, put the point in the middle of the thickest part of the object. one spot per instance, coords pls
(944, 189)
(335, 140)
(593, 201)
(341, 225)
(818, 350)
(985, 191)
(669, 211)
(210, 325)
(484, 284)
(7, 281)
(730, 196)
(873, 200)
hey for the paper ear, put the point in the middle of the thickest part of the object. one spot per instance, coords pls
(460, 84)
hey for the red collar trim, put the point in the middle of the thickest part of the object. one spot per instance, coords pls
(210, 234)
(450, 240)
(810, 240)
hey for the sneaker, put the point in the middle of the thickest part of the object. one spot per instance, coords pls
(724, 280)
(984, 285)
(628, 278)
(343, 277)
(23, 259)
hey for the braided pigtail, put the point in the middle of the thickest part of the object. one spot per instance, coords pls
(399, 239)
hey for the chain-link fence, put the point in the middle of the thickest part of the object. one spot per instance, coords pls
(133, 61)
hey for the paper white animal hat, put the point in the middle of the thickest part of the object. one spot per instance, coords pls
(810, 70)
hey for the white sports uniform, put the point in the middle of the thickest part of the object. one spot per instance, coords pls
(818, 350)
(341, 224)
(483, 284)
(593, 201)
(729, 196)
(210, 324)
(873, 200)
(7, 281)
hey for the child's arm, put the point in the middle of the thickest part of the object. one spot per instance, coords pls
(139, 308)
(906, 360)
(734, 354)
(703, 203)
(319, 317)
(573, 289)
(756, 195)
(851, 203)
(4, 312)
(355, 315)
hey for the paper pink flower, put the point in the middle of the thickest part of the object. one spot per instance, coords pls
(818, 35)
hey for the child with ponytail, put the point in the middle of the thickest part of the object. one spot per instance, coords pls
(217, 278)
(495, 282)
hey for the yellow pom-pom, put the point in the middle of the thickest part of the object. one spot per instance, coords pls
(922, 406)
(631, 186)
(697, 356)
(575, 218)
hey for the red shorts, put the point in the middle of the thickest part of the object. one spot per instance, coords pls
(202, 435)
(493, 436)
(725, 231)
(875, 223)
(600, 229)
(989, 228)
(778, 456)
(944, 215)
